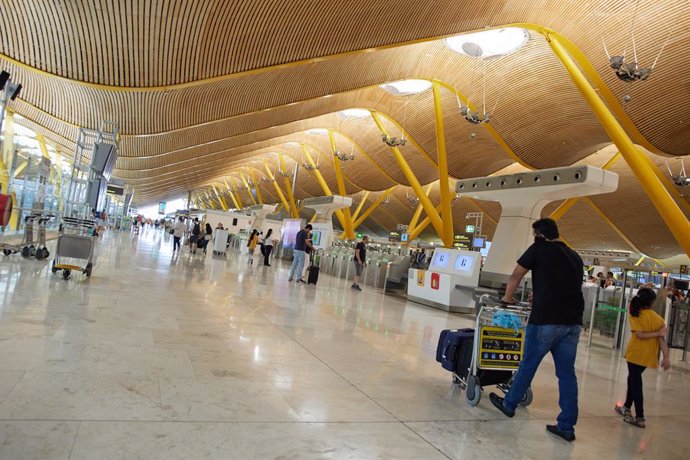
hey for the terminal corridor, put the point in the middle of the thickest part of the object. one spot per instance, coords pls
(162, 356)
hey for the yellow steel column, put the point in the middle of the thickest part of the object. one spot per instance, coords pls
(349, 230)
(221, 199)
(373, 206)
(238, 196)
(414, 234)
(412, 179)
(277, 188)
(418, 212)
(249, 189)
(442, 159)
(288, 187)
(669, 210)
(361, 205)
(257, 186)
(232, 195)
(324, 186)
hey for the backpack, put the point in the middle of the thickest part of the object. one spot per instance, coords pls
(196, 230)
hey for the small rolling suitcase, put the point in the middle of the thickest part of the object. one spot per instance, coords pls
(450, 345)
(313, 275)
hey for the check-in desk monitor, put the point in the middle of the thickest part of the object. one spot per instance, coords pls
(449, 281)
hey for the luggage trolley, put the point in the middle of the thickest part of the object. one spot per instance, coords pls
(496, 350)
(28, 246)
(75, 241)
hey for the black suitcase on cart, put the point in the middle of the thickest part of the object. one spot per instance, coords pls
(454, 352)
(450, 344)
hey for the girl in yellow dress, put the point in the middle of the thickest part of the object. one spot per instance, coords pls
(648, 335)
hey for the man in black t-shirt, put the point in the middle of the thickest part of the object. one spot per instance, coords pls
(554, 324)
(360, 258)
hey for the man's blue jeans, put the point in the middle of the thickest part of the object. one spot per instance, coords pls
(561, 341)
(297, 264)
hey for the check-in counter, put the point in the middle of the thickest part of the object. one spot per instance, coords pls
(449, 282)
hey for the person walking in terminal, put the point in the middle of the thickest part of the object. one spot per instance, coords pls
(268, 246)
(360, 258)
(298, 254)
(178, 233)
(648, 335)
(251, 245)
(554, 324)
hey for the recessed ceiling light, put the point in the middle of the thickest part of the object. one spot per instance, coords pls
(489, 43)
(406, 87)
(291, 144)
(355, 113)
(317, 131)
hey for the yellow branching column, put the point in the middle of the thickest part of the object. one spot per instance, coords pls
(221, 199)
(414, 233)
(373, 206)
(348, 230)
(257, 187)
(229, 188)
(238, 196)
(418, 212)
(360, 205)
(442, 158)
(669, 210)
(249, 189)
(414, 183)
(324, 186)
(294, 213)
(280, 193)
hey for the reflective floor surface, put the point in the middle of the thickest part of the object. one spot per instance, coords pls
(183, 357)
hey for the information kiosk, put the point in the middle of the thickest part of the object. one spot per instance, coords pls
(449, 282)
(322, 223)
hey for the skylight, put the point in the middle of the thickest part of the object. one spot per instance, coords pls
(406, 87)
(489, 43)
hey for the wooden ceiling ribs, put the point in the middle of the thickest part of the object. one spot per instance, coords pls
(200, 89)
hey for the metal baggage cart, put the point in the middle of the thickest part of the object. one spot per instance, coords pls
(30, 247)
(496, 351)
(75, 243)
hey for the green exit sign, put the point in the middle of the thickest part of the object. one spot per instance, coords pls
(359, 235)
(469, 228)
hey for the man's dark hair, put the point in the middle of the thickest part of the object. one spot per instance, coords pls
(546, 227)
(308, 227)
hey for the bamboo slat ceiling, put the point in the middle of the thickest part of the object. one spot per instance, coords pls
(202, 89)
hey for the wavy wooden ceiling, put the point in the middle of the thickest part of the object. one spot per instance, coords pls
(202, 89)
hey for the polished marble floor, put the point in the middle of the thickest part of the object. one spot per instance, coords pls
(162, 356)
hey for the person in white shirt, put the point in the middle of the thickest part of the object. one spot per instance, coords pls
(178, 233)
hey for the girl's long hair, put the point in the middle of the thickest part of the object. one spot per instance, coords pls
(644, 298)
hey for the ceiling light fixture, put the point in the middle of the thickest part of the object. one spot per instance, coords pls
(291, 144)
(489, 43)
(627, 69)
(681, 179)
(393, 141)
(406, 87)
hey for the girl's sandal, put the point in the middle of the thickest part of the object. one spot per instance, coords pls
(637, 421)
(622, 410)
